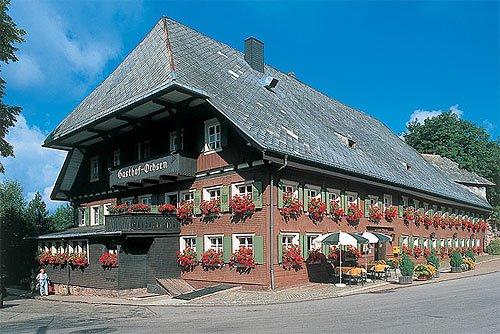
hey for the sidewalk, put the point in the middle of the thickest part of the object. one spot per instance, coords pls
(310, 292)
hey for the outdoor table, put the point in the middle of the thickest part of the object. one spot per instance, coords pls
(380, 271)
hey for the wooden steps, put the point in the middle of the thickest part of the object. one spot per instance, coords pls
(174, 286)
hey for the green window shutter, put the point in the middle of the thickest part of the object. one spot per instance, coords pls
(400, 210)
(226, 248)
(410, 241)
(199, 247)
(257, 194)
(367, 207)
(302, 196)
(302, 239)
(87, 216)
(197, 202)
(280, 248)
(421, 242)
(101, 214)
(224, 198)
(325, 196)
(343, 201)
(258, 249)
(400, 241)
(201, 137)
(280, 195)
(154, 208)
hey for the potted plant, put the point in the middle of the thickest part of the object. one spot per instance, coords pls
(316, 209)
(118, 209)
(336, 211)
(108, 260)
(436, 219)
(185, 212)
(427, 220)
(211, 260)
(424, 272)
(292, 258)
(242, 207)
(140, 208)
(406, 266)
(419, 217)
(354, 214)
(210, 209)
(408, 214)
(456, 262)
(167, 209)
(187, 259)
(292, 208)
(390, 213)
(434, 261)
(375, 215)
(406, 250)
(468, 264)
(242, 260)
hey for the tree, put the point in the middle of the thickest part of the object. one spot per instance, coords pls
(9, 35)
(62, 218)
(463, 142)
(37, 216)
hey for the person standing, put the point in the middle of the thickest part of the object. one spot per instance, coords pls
(43, 282)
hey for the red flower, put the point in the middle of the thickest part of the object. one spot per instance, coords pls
(437, 219)
(390, 213)
(443, 251)
(375, 214)
(336, 211)
(211, 260)
(185, 212)
(292, 258)
(427, 220)
(315, 256)
(419, 217)
(108, 260)
(417, 252)
(242, 206)
(409, 214)
(242, 259)
(140, 207)
(78, 260)
(334, 253)
(167, 208)
(210, 208)
(187, 259)
(316, 209)
(406, 250)
(292, 208)
(354, 214)
(427, 252)
(117, 209)
(353, 252)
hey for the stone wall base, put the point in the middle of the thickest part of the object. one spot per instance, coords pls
(60, 289)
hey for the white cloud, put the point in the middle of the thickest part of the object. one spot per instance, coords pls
(36, 168)
(420, 115)
(25, 72)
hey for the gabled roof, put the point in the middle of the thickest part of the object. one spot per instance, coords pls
(293, 119)
(455, 173)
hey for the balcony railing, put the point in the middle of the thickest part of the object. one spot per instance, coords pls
(142, 223)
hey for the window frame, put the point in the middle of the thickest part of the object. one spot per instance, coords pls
(236, 191)
(309, 241)
(117, 156)
(207, 244)
(373, 199)
(308, 188)
(105, 208)
(386, 196)
(127, 200)
(94, 217)
(166, 198)
(293, 184)
(81, 216)
(352, 194)
(236, 242)
(336, 192)
(405, 240)
(206, 192)
(406, 201)
(182, 242)
(184, 192)
(209, 123)
(146, 196)
(295, 238)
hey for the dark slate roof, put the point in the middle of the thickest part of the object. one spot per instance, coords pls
(294, 119)
(76, 232)
(455, 173)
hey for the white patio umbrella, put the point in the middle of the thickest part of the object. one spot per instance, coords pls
(374, 238)
(340, 239)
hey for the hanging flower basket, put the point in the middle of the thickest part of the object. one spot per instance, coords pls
(242, 207)
(78, 261)
(211, 260)
(427, 252)
(211, 208)
(390, 213)
(417, 252)
(140, 208)
(292, 208)
(436, 219)
(118, 209)
(167, 209)
(419, 217)
(316, 209)
(108, 260)
(375, 214)
(427, 220)
(292, 258)
(187, 259)
(409, 214)
(242, 260)
(336, 211)
(354, 214)
(185, 212)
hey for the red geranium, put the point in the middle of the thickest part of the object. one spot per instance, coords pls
(140, 207)
(242, 259)
(437, 218)
(187, 259)
(292, 258)
(292, 208)
(443, 251)
(390, 213)
(210, 208)
(336, 211)
(242, 206)
(353, 252)
(427, 252)
(167, 208)
(417, 252)
(185, 212)
(117, 209)
(78, 260)
(354, 214)
(464, 223)
(375, 214)
(419, 217)
(427, 220)
(406, 250)
(334, 253)
(108, 260)
(46, 258)
(409, 214)
(316, 209)
(212, 259)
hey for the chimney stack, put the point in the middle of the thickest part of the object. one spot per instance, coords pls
(254, 53)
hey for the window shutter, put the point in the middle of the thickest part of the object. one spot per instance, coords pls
(367, 207)
(154, 208)
(197, 202)
(101, 214)
(258, 249)
(401, 210)
(257, 194)
(223, 134)
(280, 195)
(324, 194)
(302, 196)
(343, 201)
(325, 249)
(226, 248)
(87, 216)
(410, 242)
(302, 239)
(224, 198)
(280, 249)
(199, 247)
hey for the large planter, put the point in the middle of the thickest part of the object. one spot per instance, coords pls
(405, 279)
(456, 269)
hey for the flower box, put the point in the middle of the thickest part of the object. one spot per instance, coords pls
(167, 209)
(211, 260)
(185, 212)
(242, 260)
(108, 260)
(118, 209)
(210, 209)
(316, 209)
(187, 259)
(354, 214)
(242, 207)
(390, 213)
(292, 258)
(409, 215)
(336, 211)
(375, 214)
(139, 208)
(292, 208)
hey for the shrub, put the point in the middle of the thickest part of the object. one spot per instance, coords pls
(432, 259)
(455, 259)
(470, 254)
(406, 265)
(468, 264)
(494, 247)
(424, 271)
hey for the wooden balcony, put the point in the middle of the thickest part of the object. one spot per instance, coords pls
(142, 223)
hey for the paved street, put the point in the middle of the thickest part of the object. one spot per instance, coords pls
(469, 305)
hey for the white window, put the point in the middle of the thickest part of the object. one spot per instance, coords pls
(81, 216)
(426, 242)
(387, 201)
(212, 135)
(187, 195)
(94, 215)
(145, 199)
(128, 201)
(116, 157)
(441, 243)
(313, 192)
(456, 242)
(405, 201)
(188, 241)
(53, 248)
(78, 246)
(467, 242)
(288, 239)
(106, 208)
(462, 242)
(310, 241)
(448, 242)
(171, 198)
(434, 243)
(373, 200)
(478, 242)
(334, 195)
(143, 151)
(242, 240)
(352, 198)
(211, 193)
(404, 241)
(290, 187)
(94, 168)
(415, 242)
(242, 189)
(214, 242)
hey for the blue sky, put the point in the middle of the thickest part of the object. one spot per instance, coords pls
(393, 60)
